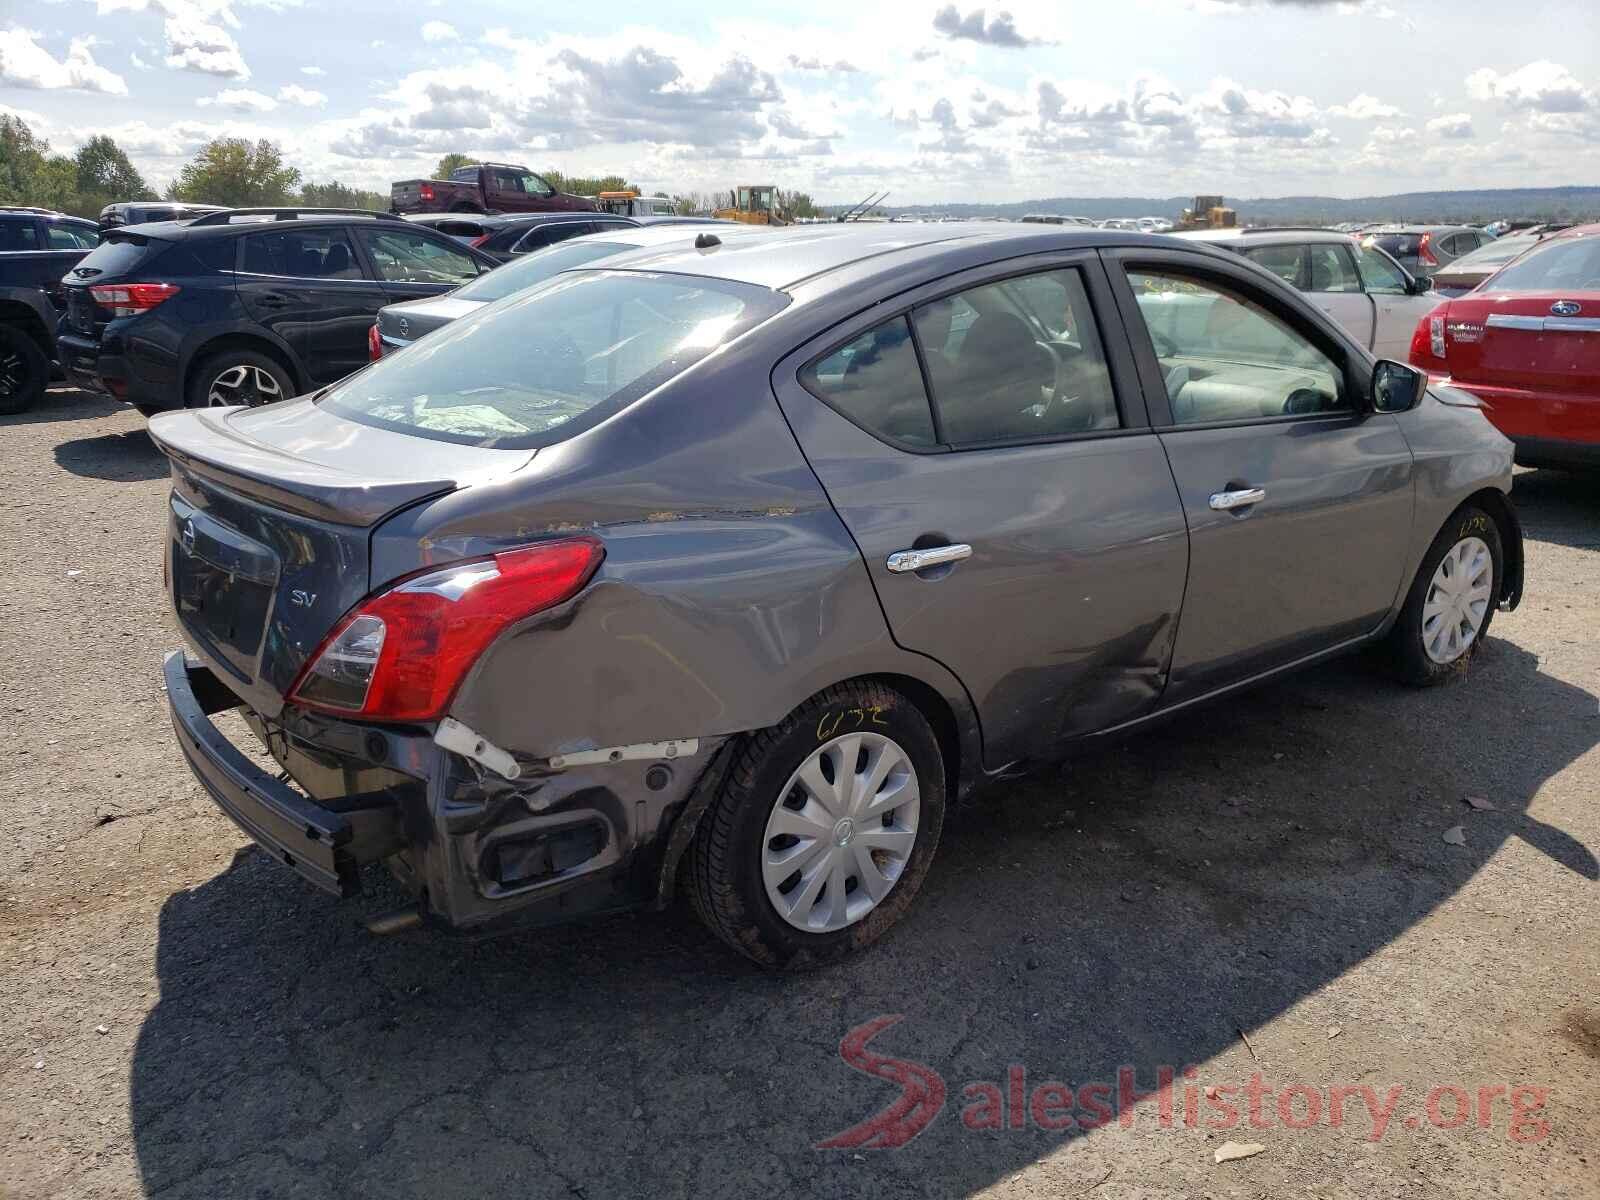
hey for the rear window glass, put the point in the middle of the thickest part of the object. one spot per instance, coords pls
(1401, 245)
(120, 253)
(542, 365)
(1567, 265)
(535, 268)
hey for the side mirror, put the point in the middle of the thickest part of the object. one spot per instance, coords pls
(1397, 388)
(1421, 284)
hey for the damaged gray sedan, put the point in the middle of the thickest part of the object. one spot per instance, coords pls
(725, 568)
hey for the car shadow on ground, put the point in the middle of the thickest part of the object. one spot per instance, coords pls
(120, 457)
(1138, 910)
(1563, 505)
(62, 403)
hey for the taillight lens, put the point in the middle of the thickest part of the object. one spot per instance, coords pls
(374, 345)
(1436, 336)
(131, 299)
(1425, 251)
(400, 654)
(426, 191)
(479, 240)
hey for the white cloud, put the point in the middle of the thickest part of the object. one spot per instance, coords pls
(999, 30)
(1542, 86)
(240, 100)
(439, 31)
(139, 64)
(293, 93)
(1244, 112)
(1451, 125)
(312, 71)
(196, 32)
(1365, 108)
(25, 63)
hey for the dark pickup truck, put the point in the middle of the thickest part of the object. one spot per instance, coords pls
(37, 247)
(485, 188)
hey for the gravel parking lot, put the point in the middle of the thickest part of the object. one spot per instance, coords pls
(1263, 888)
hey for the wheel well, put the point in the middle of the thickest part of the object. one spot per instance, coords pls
(1494, 502)
(239, 341)
(20, 316)
(936, 709)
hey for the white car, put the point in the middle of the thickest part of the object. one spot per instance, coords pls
(1376, 299)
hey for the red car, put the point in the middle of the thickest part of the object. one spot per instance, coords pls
(1526, 341)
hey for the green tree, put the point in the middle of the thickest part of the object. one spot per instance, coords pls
(586, 185)
(232, 172)
(104, 170)
(797, 204)
(450, 162)
(338, 195)
(21, 157)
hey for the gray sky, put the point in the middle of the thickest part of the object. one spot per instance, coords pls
(937, 102)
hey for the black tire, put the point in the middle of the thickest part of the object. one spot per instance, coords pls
(213, 366)
(1407, 645)
(24, 370)
(725, 876)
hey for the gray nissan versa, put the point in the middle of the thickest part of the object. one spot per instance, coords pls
(727, 567)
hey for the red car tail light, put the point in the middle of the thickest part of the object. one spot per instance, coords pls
(426, 191)
(131, 299)
(401, 654)
(1428, 347)
(374, 345)
(479, 240)
(1425, 251)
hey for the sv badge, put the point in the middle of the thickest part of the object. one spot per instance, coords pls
(301, 598)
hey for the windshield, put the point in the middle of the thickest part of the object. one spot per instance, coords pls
(1563, 265)
(535, 268)
(544, 364)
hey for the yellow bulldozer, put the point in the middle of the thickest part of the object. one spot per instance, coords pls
(1208, 213)
(753, 204)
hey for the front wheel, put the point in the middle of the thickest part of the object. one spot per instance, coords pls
(1451, 602)
(823, 830)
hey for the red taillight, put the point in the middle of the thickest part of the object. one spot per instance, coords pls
(479, 240)
(401, 654)
(1421, 343)
(426, 191)
(131, 299)
(1425, 251)
(374, 345)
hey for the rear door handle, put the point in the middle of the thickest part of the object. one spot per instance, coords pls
(902, 561)
(1242, 498)
(273, 300)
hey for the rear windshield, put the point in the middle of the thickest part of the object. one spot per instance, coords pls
(535, 268)
(1401, 245)
(547, 363)
(1563, 265)
(1495, 253)
(120, 253)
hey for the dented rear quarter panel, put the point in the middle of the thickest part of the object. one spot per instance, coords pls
(730, 590)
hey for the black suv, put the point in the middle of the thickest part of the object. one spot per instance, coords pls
(37, 246)
(245, 306)
(140, 212)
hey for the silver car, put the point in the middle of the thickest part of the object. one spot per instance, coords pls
(1360, 286)
(729, 566)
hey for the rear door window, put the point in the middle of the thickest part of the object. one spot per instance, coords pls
(404, 256)
(19, 233)
(61, 236)
(874, 380)
(1016, 360)
(1286, 262)
(301, 254)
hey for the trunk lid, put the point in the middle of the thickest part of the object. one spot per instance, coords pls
(409, 321)
(271, 515)
(1540, 342)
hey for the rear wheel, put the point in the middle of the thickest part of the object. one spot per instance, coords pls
(237, 377)
(1452, 600)
(24, 370)
(823, 830)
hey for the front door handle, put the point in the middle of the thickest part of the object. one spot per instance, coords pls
(902, 561)
(1242, 498)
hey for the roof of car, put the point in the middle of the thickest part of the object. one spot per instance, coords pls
(1264, 237)
(782, 258)
(1380, 229)
(500, 220)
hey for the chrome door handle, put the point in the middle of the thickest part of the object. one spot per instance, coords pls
(1242, 498)
(902, 561)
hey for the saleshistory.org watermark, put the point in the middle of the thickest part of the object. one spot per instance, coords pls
(1178, 1096)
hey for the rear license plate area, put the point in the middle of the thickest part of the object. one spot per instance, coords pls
(222, 587)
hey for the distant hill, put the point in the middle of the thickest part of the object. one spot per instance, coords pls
(1466, 207)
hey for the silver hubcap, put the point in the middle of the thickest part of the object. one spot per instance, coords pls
(245, 385)
(1458, 600)
(841, 834)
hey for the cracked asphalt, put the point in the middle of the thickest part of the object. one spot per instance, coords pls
(1262, 888)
